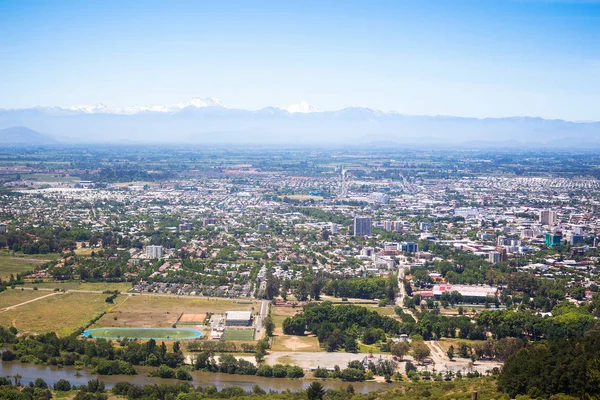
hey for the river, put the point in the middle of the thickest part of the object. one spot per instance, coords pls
(52, 374)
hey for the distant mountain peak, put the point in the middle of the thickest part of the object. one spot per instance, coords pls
(302, 107)
(20, 135)
(197, 102)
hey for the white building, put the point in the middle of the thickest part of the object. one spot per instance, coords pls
(154, 251)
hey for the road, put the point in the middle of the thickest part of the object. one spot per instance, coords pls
(402, 293)
(260, 319)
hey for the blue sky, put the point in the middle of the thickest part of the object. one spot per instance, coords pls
(453, 57)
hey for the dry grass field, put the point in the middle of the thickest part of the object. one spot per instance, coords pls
(76, 285)
(161, 311)
(16, 264)
(62, 313)
(11, 297)
(283, 342)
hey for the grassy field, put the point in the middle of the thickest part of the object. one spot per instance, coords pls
(18, 263)
(238, 334)
(76, 285)
(11, 297)
(50, 178)
(283, 342)
(162, 311)
(145, 334)
(62, 313)
(84, 251)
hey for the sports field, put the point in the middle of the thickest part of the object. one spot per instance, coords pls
(239, 334)
(143, 333)
(192, 319)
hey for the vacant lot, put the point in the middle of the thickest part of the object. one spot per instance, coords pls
(11, 297)
(162, 311)
(63, 313)
(76, 285)
(283, 342)
(19, 263)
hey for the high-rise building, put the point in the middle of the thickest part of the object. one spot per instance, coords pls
(553, 239)
(410, 247)
(363, 226)
(262, 227)
(501, 241)
(334, 227)
(575, 239)
(547, 217)
(494, 257)
(154, 251)
(186, 226)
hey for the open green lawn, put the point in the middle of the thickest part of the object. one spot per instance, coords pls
(145, 334)
(238, 334)
(15, 263)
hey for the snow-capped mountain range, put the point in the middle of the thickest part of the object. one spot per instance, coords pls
(196, 102)
(207, 120)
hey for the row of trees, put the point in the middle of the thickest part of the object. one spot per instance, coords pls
(100, 355)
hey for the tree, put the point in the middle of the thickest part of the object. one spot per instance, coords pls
(269, 326)
(400, 349)
(315, 391)
(258, 390)
(176, 347)
(420, 351)
(62, 385)
(272, 287)
(450, 352)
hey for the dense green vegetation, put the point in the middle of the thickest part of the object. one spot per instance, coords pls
(567, 366)
(339, 326)
(99, 355)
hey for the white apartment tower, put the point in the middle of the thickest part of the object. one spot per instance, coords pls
(154, 251)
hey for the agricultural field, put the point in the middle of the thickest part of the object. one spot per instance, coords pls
(62, 313)
(162, 311)
(239, 334)
(11, 297)
(11, 263)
